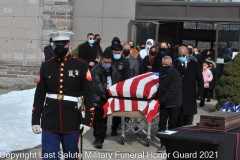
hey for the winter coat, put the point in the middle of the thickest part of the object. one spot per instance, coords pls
(143, 67)
(170, 89)
(144, 52)
(207, 77)
(123, 67)
(191, 77)
(109, 48)
(99, 83)
(87, 53)
(134, 66)
(49, 52)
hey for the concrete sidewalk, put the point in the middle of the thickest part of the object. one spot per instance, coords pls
(134, 147)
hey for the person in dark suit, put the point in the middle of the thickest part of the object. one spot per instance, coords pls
(88, 52)
(191, 74)
(48, 50)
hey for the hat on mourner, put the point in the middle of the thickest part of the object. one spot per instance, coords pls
(61, 38)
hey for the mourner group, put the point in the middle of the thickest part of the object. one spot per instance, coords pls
(72, 89)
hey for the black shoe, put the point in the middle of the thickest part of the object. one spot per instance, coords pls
(97, 144)
(114, 133)
(209, 100)
(201, 104)
(161, 149)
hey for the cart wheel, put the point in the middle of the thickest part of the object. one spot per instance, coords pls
(148, 142)
(122, 140)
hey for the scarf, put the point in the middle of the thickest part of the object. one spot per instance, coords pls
(161, 72)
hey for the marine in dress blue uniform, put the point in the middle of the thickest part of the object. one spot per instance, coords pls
(61, 82)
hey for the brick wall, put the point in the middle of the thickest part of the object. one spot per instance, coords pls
(57, 15)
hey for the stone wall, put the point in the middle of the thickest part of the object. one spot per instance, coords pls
(21, 31)
(57, 15)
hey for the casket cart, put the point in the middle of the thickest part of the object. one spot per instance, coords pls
(135, 98)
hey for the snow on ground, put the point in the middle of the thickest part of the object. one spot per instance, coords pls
(15, 121)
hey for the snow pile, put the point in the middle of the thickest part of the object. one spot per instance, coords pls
(15, 121)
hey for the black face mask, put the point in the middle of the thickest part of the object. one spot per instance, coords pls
(142, 47)
(98, 41)
(126, 53)
(61, 52)
(163, 49)
(152, 53)
(165, 68)
(131, 46)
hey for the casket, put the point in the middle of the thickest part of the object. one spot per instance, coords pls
(219, 121)
(134, 94)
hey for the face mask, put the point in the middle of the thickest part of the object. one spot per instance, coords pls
(106, 66)
(91, 41)
(126, 53)
(117, 56)
(182, 59)
(163, 49)
(142, 47)
(61, 52)
(165, 68)
(196, 53)
(204, 67)
(52, 44)
(98, 41)
(148, 47)
(152, 53)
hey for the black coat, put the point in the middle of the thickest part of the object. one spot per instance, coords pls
(123, 67)
(191, 77)
(99, 49)
(99, 83)
(69, 77)
(170, 89)
(144, 63)
(109, 48)
(88, 53)
(49, 52)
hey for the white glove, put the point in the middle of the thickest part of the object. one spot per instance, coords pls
(85, 128)
(36, 129)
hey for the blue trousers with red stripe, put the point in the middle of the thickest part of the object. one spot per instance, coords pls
(51, 146)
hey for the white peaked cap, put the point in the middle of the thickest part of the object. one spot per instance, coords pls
(61, 35)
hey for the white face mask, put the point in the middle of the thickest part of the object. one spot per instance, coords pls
(196, 52)
(204, 67)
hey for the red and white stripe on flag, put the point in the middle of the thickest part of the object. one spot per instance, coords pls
(142, 86)
(148, 108)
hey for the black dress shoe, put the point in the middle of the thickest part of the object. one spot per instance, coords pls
(114, 133)
(97, 144)
(201, 104)
(161, 149)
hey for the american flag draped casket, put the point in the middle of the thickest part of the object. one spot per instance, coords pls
(135, 94)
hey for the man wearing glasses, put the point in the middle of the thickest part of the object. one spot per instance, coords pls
(191, 74)
(88, 51)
